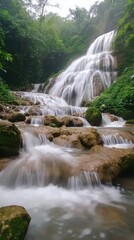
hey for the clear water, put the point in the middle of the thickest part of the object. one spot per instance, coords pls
(61, 214)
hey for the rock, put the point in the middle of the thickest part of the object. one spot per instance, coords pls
(10, 139)
(14, 222)
(16, 117)
(93, 116)
(53, 121)
(109, 163)
(70, 121)
(90, 139)
(3, 163)
(1, 108)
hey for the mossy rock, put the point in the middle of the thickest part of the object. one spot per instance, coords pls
(52, 121)
(126, 165)
(14, 222)
(16, 117)
(10, 139)
(93, 116)
(130, 122)
(90, 139)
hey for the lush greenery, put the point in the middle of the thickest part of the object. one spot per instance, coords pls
(119, 98)
(34, 46)
(125, 38)
(5, 94)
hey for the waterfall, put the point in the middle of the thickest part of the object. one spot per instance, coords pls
(42, 163)
(89, 75)
(116, 141)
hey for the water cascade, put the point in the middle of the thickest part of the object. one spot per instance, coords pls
(89, 75)
(65, 202)
(41, 163)
(117, 141)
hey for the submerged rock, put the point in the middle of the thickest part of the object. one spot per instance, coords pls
(10, 139)
(14, 222)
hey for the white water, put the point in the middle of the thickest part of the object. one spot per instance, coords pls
(83, 209)
(89, 75)
(116, 141)
(106, 121)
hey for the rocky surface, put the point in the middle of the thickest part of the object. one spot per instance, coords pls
(14, 222)
(109, 163)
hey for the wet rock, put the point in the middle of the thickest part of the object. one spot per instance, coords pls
(90, 139)
(70, 121)
(14, 222)
(53, 121)
(16, 117)
(10, 139)
(1, 108)
(109, 163)
(93, 116)
(3, 163)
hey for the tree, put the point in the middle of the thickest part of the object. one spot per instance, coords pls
(37, 8)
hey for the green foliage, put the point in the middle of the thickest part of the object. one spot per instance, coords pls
(125, 37)
(40, 47)
(119, 98)
(93, 116)
(5, 94)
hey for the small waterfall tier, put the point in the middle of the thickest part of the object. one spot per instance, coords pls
(89, 75)
(42, 163)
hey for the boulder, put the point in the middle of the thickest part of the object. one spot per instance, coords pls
(16, 117)
(53, 121)
(70, 121)
(90, 138)
(93, 116)
(14, 222)
(109, 163)
(10, 139)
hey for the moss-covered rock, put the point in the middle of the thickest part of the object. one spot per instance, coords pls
(14, 222)
(90, 139)
(10, 139)
(130, 122)
(93, 116)
(53, 121)
(16, 117)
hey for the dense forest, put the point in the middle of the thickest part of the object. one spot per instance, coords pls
(34, 45)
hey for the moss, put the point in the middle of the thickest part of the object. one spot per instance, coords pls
(127, 165)
(93, 116)
(119, 98)
(131, 121)
(14, 223)
(10, 139)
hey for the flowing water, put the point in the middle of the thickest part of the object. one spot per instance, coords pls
(63, 205)
(89, 75)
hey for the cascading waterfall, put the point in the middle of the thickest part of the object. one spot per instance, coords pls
(64, 204)
(117, 141)
(41, 163)
(89, 75)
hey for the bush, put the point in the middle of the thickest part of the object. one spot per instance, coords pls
(5, 94)
(119, 98)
